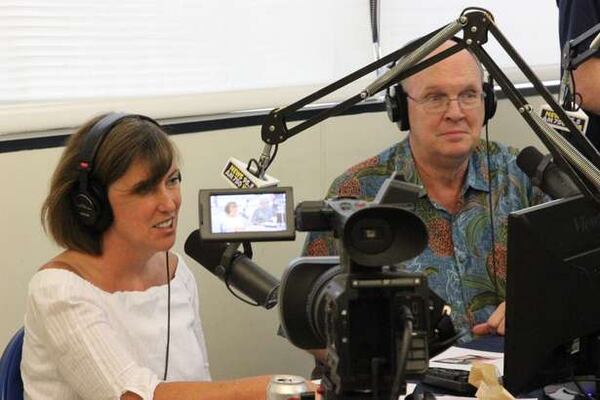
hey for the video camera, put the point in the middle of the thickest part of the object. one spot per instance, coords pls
(375, 320)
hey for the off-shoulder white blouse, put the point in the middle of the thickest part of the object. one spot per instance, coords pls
(84, 343)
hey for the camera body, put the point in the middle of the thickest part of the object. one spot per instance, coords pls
(364, 322)
(373, 319)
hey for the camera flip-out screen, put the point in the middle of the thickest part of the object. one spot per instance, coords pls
(247, 214)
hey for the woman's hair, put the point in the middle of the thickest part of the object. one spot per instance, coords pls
(229, 205)
(131, 139)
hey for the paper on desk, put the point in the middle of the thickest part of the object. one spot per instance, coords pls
(460, 358)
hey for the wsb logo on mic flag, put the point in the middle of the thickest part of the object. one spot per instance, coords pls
(237, 174)
(579, 118)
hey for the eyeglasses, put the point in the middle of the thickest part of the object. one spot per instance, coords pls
(439, 103)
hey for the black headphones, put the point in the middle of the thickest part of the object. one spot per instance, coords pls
(396, 104)
(89, 197)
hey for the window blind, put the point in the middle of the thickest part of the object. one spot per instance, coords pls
(161, 56)
(530, 26)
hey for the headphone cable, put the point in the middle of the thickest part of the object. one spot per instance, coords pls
(491, 201)
(168, 316)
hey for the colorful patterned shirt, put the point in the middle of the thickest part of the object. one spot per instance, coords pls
(458, 261)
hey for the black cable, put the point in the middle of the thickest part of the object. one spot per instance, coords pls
(255, 304)
(236, 295)
(436, 346)
(578, 101)
(402, 353)
(491, 203)
(168, 317)
(253, 162)
(572, 100)
(272, 158)
(228, 286)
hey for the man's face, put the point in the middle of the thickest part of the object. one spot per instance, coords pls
(451, 134)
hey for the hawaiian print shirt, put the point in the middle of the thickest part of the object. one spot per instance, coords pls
(458, 261)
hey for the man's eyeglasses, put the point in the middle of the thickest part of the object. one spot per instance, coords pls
(439, 103)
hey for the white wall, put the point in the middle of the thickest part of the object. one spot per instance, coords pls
(241, 339)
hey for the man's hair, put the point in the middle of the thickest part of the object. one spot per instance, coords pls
(454, 40)
(132, 139)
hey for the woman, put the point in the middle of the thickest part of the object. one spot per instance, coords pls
(232, 221)
(115, 315)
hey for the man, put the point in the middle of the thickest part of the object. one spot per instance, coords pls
(264, 212)
(574, 18)
(465, 263)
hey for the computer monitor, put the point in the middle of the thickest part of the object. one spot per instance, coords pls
(552, 294)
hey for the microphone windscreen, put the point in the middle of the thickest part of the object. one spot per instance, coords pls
(545, 174)
(208, 254)
(529, 159)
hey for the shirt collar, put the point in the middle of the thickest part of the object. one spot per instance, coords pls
(476, 170)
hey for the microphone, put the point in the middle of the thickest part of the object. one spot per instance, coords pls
(240, 176)
(238, 270)
(545, 174)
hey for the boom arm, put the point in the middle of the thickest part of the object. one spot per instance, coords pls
(572, 151)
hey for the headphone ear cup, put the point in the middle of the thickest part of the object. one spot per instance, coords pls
(396, 104)
(105, 215)
(402, 99)
(490, 102)
(391, 106)
(92, 208)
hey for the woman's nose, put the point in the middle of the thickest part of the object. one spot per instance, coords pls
(169, 199)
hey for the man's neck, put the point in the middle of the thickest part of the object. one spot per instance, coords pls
(446, 175)
(443, 180)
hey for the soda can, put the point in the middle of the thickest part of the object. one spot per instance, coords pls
(284, 387)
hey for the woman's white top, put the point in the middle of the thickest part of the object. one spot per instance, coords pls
(84, 343)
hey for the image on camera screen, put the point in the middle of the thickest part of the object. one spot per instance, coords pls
(248, 212)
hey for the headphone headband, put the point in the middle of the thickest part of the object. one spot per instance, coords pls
(90, 200)
(95, 136)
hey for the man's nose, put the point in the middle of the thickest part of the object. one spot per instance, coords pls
(454, 110)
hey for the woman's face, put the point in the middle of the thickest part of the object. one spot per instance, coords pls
(232, 209)
(145, 217)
